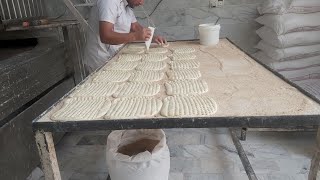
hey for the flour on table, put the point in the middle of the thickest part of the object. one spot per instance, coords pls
(154, 57)
(186, 87)
(137, 89)
(184, 74)
(156, 66)
(183, 50)
(82, 108)
(187, 64)
(135, 107)
(183, 56)
(146, 76)
(132, 51)
(96, 90)
(188, 106)
(122, 66)
(129, 57)
(159, 50)
(136, 46)
(112, 76)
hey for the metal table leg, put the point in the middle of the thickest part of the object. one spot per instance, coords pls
(315, 160)
(243, 157)
(243, 135)
(47, 155)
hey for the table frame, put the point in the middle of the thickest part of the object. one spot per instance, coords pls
(44, 141)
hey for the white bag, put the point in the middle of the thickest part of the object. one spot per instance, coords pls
(289, 53)
(289, 6)
(287, 23)
(142, 166)
(289, 40)
(304, 6)
(287, 65)
(274, 6)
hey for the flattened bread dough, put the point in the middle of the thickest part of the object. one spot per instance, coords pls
(112, 76)
(129, 57)
(183, 56)
(136, 46)
(187, 64)
(186, 87)
(147, 76)
(135, 107)
(96, 90)
(183, 50)
(155, 66)
(184, 74)
(132, 51)
(154, 57)
(126, 66)
(159, 50)
(130, 89)
(82, 108)
(188, 106)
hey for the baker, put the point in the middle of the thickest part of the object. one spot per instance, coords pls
(112, 24)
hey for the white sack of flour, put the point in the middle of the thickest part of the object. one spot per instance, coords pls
(287, 65)
(287, 23)
(289, 6)
(274, 6)
(283, 54)
(290, 39)
(138, 155)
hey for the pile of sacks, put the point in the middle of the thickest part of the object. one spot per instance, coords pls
(290, 38)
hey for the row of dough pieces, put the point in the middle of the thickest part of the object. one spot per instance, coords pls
(131, 89)
(140, 49)
(91, 108)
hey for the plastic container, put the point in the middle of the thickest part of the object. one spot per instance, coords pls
(148, 43)
(209, 34)
(138, 155)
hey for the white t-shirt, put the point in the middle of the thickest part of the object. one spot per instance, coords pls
(116, 12)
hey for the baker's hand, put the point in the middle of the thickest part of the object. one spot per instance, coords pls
(159, 40)
(143, 34)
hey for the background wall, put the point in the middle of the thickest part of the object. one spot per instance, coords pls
(178, 19)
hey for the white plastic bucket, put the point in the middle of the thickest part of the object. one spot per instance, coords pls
(209, 34)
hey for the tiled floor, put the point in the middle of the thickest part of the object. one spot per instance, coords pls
(197, 154)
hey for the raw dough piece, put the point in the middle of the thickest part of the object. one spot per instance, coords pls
(96, 90)
(183, 56)
(157, 50)
(185, 87)
(122, 66)
(188, 106)
(154, 57)
(137, 89)
(136, 46)
(129, 57)
(183, 50)
(156, 66)
(146, 76)
(184, 74)
(187, 64)
(82, 108)
(135, 107)
(112, 76)
(132, 51)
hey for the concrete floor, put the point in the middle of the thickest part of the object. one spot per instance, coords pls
(197, 154)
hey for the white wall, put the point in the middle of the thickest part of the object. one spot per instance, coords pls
(178, 19)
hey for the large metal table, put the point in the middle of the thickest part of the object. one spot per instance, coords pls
(248, 94)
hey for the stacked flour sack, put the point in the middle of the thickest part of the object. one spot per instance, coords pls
(290, 38)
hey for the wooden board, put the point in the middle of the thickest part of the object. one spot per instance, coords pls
(241, 87)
